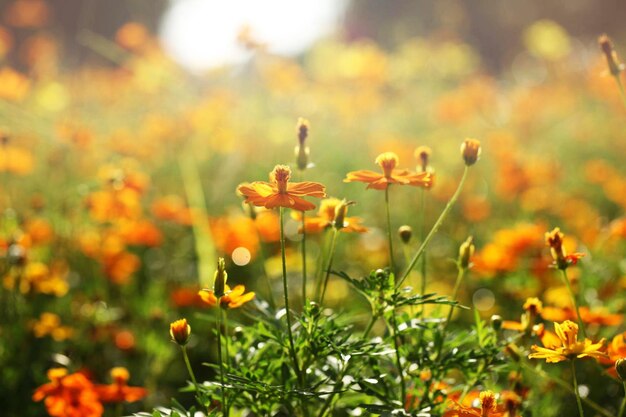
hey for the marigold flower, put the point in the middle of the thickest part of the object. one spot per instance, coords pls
(231, 299)
(119, 391)
(279, 192)
(388, 162)
(69, 395)
(180, 331)
(570, 348)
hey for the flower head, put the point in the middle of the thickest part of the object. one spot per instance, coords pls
(470, 150)
(390, 175)
(119, 391)
(180, 331)
(69, 395)
(570, 347)
(279, 192)
(332, 213)
(562, 260)
(231, 299)
(488, 408)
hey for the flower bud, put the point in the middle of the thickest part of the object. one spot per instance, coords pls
(405, 232)
(340, 214)
(219, 283)
(470, 149)
(180, 332)
(302, 127)
(496, 322)
(466, 251)
(302, 151)
(620, 367)
(611, 56)
(423, 154)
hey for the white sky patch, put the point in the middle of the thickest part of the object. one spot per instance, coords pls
(202, 34)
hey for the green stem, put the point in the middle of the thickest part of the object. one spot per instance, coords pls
(574, 302)
(331, 257)
(435, 228)
(543, 374)
(422, 232)
(455, 292)
(620, 85)
(221, 358)
(623, 406)
(580, 405)
(396, 345)
(303, 247)
(191, 374)
(292, 348)
(392, 264)
(261, 260)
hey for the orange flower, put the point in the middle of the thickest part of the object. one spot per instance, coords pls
(69, 395)
(326, 218)
(388, 162)
(570, 348)
(280, 193)
(532, 307)
(119, 391)
(562, 260)
(232, 298)
(488, 408)
(597, 316)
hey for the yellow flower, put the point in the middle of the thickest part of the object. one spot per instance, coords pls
(180, 331)
(570, 348)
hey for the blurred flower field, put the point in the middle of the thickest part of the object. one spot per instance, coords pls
(134, 200)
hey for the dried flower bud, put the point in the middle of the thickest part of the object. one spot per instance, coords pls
(470, 149)
(620, 367)
(423, 154)
(405, 232)
(611, 56)
(466, 251)
(496, 322)
(180, 332)
(219, 283)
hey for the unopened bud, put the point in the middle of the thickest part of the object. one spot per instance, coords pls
(405, 232)
(302, 157)
(496, 322)
(219, 283)
(302, 128)
(466, 251)
(423, 154)
(340, 214)
(470, 149)
(620, 367)
(611, 56)
(180, 332)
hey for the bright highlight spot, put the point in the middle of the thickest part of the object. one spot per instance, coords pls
(202, 34)
(241, 256)
(483, 299)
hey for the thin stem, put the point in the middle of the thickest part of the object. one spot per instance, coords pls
(261, 261)
(303, 247)
(435, 228)
(331, 257)
(544, 375)
(292, 348)
(320, 265)
(190, 371)
(422, 232)
(573, 297)
(455, 293)
(219, 353)
(398, 362)
(620, 85)
(392, 264)
(580, 405)
(623, 406)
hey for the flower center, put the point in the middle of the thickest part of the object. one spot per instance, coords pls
(387, 161)
(280, 176)
(487, 402)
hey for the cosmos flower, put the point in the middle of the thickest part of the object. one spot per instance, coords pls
(231, 299)
(390, 175)
(119, 391)
(279, 192)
